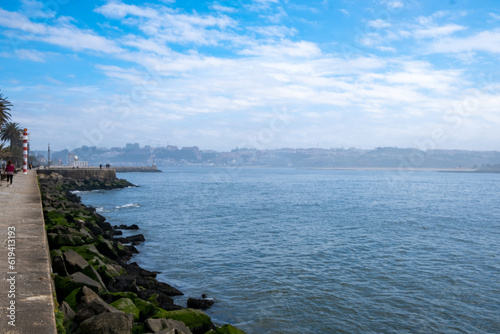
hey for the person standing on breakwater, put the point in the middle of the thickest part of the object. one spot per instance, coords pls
(9, 170)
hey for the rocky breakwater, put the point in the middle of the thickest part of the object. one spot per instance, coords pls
(97, 289)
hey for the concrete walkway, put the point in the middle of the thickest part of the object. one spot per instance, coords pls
(25, 285)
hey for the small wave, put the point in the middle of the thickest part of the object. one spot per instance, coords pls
(129, 205)
(99, 209)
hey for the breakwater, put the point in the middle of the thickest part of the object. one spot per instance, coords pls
(137, 169)
(98, 289)
(81, 174)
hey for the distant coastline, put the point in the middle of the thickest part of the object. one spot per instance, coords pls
(381, 158)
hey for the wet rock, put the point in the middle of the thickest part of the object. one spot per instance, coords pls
(162, 300)
(134, 269)
(153, 284)
(203, 303)
(125, 227)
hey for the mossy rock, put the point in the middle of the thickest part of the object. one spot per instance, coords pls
(153, 300)
(88, 251)
(65, 285)
(73, 298)
(108, 272)
(55, 252)
(195, 320)
(118, 295)
(54, 214)
(105, 247)
(127, 305)
(61, 221)
(145, 307)
(226, 329)
(139, 329)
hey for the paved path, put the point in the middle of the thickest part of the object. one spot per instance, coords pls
(30, 285)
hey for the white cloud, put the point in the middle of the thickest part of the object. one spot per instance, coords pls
(65, 35)
(118, 10)
(78, 40)
(218, 7)
(167, 25)
(485, 41)
(495, 16)
(438, 31)
(20, 22)
(345, 12)
(36, 9)
(394, 4)
(275, 31)
(285, 49)
(33, 55)
(379, 23)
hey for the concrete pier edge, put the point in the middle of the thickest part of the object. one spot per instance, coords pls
(26, 287)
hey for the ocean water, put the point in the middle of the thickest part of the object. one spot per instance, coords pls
(322, 251)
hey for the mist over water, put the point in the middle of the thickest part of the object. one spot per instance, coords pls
(322, 251)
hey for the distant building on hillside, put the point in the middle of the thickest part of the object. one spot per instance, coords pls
(73, 161)
(130, 146)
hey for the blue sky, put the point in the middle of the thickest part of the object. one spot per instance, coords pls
(254, 73)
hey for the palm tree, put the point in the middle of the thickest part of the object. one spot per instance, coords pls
(12, 132)
(4, 109)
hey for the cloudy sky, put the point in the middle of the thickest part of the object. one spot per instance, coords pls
(254, 73)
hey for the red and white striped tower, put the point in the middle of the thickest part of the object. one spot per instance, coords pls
(25, 151)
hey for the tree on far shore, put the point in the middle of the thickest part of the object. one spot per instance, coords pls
(4, 109)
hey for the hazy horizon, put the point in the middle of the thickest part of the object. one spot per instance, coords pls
(263, 74)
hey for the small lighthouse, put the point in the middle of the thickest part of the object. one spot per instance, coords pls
(25, 151)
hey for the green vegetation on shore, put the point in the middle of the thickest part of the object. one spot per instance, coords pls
(97, 289)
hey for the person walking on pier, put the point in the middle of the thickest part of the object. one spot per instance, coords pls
(9, 170)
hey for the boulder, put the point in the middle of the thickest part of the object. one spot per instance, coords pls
(88, 251)
(124, 283)
(166, 326)
(105, 247)
(138, 238)
(197, 321)
(199, 303)
(91, 304)
(127, 305)
(153, 284)
(108, 272)
(92, 273)
(226, 329)
(108, 323)
(65, 285)
(74, 262)
(125, 227)
(67, 311)
(58, 265)
(146, 308)
(134, 269)
(158, 299)
(59, 236)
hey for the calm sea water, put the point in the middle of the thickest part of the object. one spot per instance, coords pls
(322, 251)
